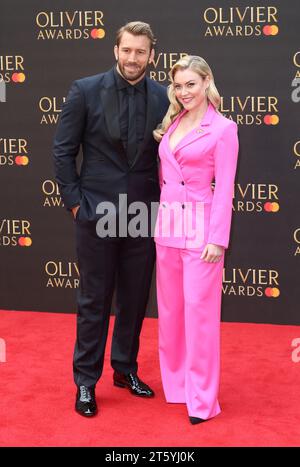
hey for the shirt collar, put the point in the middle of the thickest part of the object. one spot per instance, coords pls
(121, 83)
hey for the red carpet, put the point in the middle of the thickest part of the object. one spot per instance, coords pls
(259, 395)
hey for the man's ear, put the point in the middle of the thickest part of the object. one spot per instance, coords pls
(151, 57)
(116, 50)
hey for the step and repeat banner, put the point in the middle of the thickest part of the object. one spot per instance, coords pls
(254, 51)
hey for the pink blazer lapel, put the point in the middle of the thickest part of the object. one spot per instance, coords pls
(199, 132)
(168, 151)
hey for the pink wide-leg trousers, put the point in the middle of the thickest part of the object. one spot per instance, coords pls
(189, 304)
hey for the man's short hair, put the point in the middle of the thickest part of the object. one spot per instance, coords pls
(137, 28)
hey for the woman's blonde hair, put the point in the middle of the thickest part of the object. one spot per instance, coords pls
(199, 66)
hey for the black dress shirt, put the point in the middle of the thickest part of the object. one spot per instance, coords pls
(141, 104)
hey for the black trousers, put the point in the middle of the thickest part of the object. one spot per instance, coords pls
(103, 263)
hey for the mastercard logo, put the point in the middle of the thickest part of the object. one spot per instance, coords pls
(273, 292)
(21, 160)
(271, 119)
(270, 30)
(271, 207)
(97, 33)
(18, 77)
(25, 241)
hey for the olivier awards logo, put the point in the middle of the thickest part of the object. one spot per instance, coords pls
(251, 282)
(50, 107)
(12, 69)
(162, 63)
(296, 151)
(296, 80)
(251, 110)
(296, 236)
(70, 25)
(256, 197)
(14, 152)
(61, 274)
(15, 232)
(51, 194)
(240, 21)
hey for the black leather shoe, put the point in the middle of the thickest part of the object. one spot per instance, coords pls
(133, 383)
(196, 420)
(85, 401)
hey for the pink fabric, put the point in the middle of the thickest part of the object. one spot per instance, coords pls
(188, 288)
(209, 151)
(189, 302)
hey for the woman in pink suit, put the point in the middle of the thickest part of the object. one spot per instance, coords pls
(197, 146)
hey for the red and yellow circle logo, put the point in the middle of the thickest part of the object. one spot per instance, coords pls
(18, 77)
(22, 160)
(271, 207)
(270, 30)
(97, 33)
(271, 119)
(25, 241)
(272, 292)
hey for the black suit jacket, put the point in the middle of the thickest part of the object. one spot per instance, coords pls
(90, 118)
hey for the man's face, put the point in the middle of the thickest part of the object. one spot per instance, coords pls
(133, 56)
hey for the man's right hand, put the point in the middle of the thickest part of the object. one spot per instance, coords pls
(74, 211)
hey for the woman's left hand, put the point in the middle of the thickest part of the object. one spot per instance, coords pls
(212, 253)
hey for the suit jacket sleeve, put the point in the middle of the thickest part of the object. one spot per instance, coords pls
(225, 156)
(67, 142)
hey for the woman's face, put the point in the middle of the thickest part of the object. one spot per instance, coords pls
(190, 88)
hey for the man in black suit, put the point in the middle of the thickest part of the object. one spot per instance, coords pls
(112, 116)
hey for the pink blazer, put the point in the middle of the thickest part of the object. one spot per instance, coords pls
(207, 153)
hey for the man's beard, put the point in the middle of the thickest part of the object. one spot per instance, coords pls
(132, 76)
